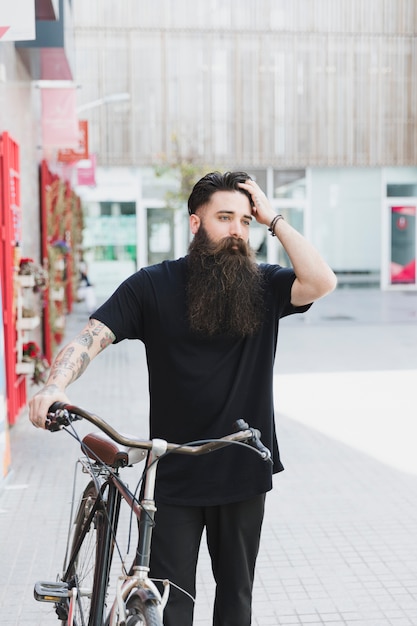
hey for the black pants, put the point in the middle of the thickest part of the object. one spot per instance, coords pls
(233, 533)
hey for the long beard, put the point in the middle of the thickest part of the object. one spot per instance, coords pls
(225, 287)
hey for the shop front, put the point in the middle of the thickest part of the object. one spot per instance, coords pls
(36, 297)
(399, 230)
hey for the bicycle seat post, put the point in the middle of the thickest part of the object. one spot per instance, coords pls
(146, 523)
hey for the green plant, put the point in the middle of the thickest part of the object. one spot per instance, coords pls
(187, 169)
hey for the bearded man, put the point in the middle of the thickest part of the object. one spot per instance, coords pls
(209, 323)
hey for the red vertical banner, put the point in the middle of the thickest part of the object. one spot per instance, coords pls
(10, 213)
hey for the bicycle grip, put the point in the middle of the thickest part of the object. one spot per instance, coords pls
(56, 406)
(55, 420)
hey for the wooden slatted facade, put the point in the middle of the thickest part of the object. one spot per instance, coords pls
(281, 83)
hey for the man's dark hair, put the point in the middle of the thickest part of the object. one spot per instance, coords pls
(215, 181)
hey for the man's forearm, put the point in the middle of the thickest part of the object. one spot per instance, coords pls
(72, 361)
(305, 258)
(69, 364)
(313, 273)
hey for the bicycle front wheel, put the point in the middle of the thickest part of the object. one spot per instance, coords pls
(142, 613)
(85, 547)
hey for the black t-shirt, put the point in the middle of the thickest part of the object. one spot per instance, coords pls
(200, 386)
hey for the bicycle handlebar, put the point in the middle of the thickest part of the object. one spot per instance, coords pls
(61, 414)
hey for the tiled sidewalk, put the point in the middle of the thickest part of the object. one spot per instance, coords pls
(339, 544)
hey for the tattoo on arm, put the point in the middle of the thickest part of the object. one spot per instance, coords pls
(107, 340)
(72, 361)
(63, 364)
(98, 328)
(68, 365)
(84, 339)
(84, 361)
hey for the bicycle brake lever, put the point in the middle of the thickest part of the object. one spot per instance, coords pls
(55, 421)
(255, 442)
(58, 417)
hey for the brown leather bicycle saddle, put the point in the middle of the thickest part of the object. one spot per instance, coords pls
(100, 447)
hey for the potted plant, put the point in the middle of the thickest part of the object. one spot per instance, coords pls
(32, 275)
(33, 354)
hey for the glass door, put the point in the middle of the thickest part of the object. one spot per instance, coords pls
(402, 244)
(160, 235)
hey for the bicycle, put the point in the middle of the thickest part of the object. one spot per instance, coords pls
(80, 596)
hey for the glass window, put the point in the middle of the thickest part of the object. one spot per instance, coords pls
(105, 208)
(127, 208)
(402, 191)
(259, 176)
(112, 234)
(258, 241)
(295, 217)
(289, 184)
(160, 235)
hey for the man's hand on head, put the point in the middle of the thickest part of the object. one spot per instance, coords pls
(261, 208)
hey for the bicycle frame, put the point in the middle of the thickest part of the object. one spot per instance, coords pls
(116, 491)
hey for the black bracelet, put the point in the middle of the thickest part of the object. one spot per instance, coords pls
(274, 222)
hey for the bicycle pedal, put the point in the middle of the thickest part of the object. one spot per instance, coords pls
(51, 592)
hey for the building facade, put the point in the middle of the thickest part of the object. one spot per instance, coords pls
(317, 98)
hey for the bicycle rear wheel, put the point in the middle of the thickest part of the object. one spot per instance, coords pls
(142, 613)
(83, 556)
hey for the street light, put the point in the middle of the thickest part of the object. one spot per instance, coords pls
(114, 97)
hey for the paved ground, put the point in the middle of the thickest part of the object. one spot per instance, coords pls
(339, 545)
